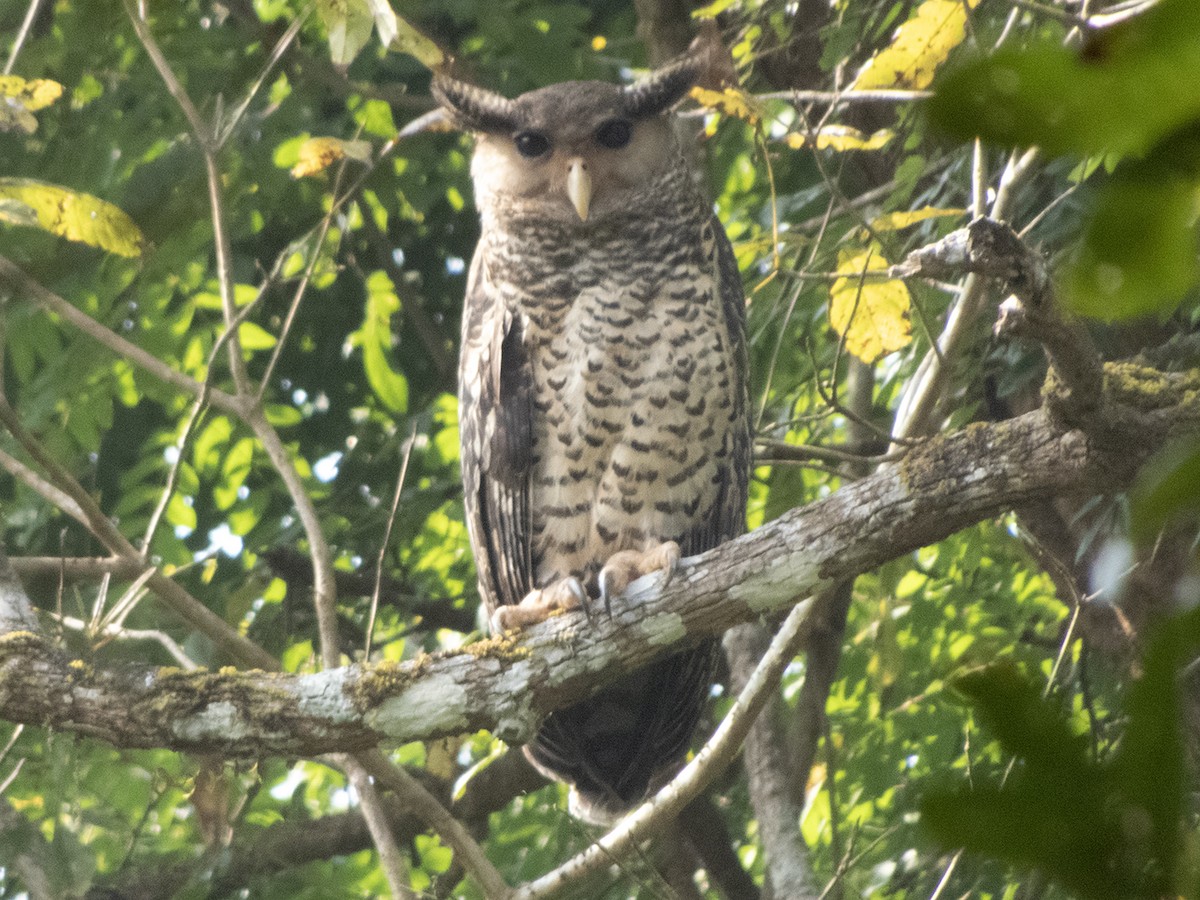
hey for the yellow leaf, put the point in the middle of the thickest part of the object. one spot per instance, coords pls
(842, 137)
(921, 45)
(897, 220)
(317, 154)
(711, 10)
(871, 314)
(76, 216)
(731, 102)
(20, 99)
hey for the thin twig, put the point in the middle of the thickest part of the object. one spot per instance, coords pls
(25, 286)
(110, 632)
(846, 97)
(387, 537)
(197, 410)
(207, 142)
(58, 499)
(302, 286)
(22, 34)
(714, 756)
(285, 41)
(182, 602)
(426, 807)
(391, 860)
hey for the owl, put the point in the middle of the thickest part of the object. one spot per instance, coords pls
(602, 395)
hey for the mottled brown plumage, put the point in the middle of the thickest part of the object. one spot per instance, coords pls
(602, 394)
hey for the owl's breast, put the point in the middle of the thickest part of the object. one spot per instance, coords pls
(634, 414)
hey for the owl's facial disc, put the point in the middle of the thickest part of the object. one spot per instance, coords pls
(571, 152)
(579, 187)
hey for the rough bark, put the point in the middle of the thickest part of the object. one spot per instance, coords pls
(509, 683)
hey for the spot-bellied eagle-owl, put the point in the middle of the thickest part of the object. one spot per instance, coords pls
(602, 394)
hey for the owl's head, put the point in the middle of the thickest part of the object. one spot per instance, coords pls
(575, 151)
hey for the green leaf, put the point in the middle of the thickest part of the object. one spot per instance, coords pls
(206, 451)
(1138, 254)
(255, 337)
(1064, 101)
(349, 24)
(1166, 490)
(1149, 769)
(376, 339)
(1012, 708)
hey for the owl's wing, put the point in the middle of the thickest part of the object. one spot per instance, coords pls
(726, 518)
(731, 519)
(495, 417)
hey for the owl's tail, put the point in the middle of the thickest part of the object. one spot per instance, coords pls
(621, 745)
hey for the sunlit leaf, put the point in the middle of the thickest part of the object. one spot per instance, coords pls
(180, 513)
(870, 313)
(20, 99)
(407, 39)
(842, 137)
(712, 10)
(254, 337)
(349, 24)
(318, 153)
(434, 857)
(76, 216)
(375, 337)
(731, 102)
(921, 45)
(282, 416)
(896, 220)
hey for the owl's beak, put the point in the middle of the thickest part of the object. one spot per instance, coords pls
(579, 187)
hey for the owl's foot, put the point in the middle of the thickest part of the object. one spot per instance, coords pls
(536, 606)
(627, 566)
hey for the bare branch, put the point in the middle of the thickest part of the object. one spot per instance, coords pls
(993, 250)
(176, 597)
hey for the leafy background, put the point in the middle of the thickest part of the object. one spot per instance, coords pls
(358, 380)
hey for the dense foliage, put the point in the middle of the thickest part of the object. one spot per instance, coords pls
(340, 265)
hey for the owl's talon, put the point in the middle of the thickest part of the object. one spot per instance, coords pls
(537, 605)
(604, 579)
(625, 567)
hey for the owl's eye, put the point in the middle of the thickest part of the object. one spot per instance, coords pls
(531, 144)
(615, 133)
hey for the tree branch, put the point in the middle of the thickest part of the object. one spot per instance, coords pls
(24, 286)
(509, 683)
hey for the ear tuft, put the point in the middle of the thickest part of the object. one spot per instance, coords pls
(474, 108)
(706, 63)
(664, 87)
